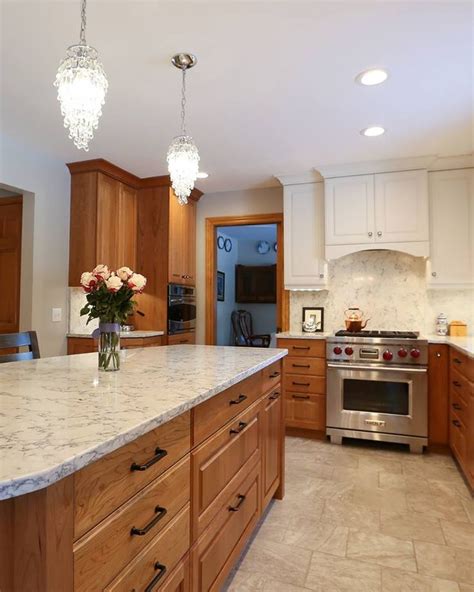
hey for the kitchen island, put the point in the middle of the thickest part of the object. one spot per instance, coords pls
(134, 479)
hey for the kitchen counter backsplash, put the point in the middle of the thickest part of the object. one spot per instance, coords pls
(390, 288)
(77, 324)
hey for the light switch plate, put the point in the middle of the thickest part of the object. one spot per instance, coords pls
(56, 315)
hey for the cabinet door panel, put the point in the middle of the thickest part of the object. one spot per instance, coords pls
(438, 394)
(272, 409)
(451, 228)
(349, 210)
(182, 242)
(401, 207)
(108, 234)
(127, 224)
(305, 411)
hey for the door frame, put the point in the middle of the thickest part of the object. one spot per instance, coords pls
(211, 268)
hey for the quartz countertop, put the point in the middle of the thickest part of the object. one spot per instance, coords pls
(127, 334)
(463, 344)
(58, 415)
(303, 335)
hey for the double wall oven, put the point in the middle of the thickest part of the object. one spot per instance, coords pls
(377, 388)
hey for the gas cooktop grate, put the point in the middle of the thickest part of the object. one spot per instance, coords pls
(379, 334)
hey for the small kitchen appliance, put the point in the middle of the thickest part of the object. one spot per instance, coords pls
(354, 320)
(377, 387)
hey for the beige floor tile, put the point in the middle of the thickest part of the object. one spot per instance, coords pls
(381, 549)
(468, 505)
(450, 489)
(375, 497)
(395, 580)
(411, 525)
(351, 515)
(435, 472)
(466, 588)
(379, 463)
(244, 581)
(366, 477)
(317, 536)
(450, 563)
(281, 562)
(406, 483)
(458, 534)
(451, 509)
(274, 586)
(336, 574)
(284, 512)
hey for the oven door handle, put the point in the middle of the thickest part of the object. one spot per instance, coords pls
(378, 368)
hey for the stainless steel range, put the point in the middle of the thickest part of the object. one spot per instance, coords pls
(377, 387)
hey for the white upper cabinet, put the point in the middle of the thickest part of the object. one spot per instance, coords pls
(349, 210)
(382, 210)
(451, 262)
(305, 267)
(401, 207)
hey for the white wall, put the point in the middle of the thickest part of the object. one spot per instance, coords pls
(230, 203)
(45, 184)
(226, 262)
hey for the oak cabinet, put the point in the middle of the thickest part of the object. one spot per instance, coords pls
(451, 262)
(182, 242)
(305, 266)
(182, 338)
(271, 465)
(438, 394)
(11, 216)
(87, 345)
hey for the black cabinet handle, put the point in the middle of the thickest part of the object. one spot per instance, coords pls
(300, 346)
(457, 423)
(274, 375)
(300, 396)
(235, 508)
(160, 513)
(242, 426)
(456, 383)
(300, 383)
(161, 572)
(239, 399)
(457, 406)
(274, 396)
(159, 454)
(300, 365)
(457, 361)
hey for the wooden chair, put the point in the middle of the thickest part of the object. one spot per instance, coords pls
(11, 341)
(242, 327)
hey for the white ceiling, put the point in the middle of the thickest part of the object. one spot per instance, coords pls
(273, 91)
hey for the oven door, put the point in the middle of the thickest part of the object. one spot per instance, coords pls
(181, 314)
(376, 399)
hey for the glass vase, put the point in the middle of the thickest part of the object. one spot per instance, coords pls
(109, 347)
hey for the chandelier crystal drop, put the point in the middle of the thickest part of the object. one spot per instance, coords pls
(82, 86)
(183, 155)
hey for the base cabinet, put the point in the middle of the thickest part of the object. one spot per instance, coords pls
(438, 394)
(87, 345)
(271, 465)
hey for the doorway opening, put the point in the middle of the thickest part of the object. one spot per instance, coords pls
(244, 280)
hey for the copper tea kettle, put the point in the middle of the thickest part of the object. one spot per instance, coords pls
(355, 320)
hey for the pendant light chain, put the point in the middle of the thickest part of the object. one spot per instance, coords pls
(183, 104)
(83, 22)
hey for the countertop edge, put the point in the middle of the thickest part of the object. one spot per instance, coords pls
(123, 334)
(39, 480)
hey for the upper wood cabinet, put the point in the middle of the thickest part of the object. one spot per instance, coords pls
(451, 263)
(388, 210)
(305, 266)
(182, 242)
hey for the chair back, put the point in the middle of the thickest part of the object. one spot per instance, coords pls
(12, 341)
(242, 326)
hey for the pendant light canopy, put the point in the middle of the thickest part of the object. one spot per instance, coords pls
(183, 155)
(82, 86)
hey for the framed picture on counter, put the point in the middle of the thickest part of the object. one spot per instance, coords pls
(220, 286)
(313, 319)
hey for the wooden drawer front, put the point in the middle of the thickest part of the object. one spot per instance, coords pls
(131, 343)
(103, 486)
(221, 462)
(305, 411)
(178, 580)
(462, 363)
(216, 551)
(309, 366)
(159, 557)
(459, 384)
(182, 339)
(113, 542)
(81, 345)
(271, 376)
(305, 384)
(459, 403)
(211, 415)
(457, 438)
(304, 347)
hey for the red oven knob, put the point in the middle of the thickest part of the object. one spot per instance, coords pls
(402, 353)
(387, 355)
(349, 351)
(415, 353)
(337, 350)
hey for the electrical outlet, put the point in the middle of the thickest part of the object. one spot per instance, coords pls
(57, 315)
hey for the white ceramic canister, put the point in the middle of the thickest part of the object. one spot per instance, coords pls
(442, 324)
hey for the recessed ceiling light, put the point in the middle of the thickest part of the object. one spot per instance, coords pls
(202, 175)
(372, 77)
(373, 131)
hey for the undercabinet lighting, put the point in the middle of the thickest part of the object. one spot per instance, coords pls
(307, 289)
(372, 77)
(202, 175)
(373, 131)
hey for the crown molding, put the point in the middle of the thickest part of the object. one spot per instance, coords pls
(376, 166)
(447, 163)
(299, 178)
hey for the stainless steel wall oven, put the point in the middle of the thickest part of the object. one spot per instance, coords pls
(181, 309)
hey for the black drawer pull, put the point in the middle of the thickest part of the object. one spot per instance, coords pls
(162, 570)
(457, 407)
(159, 454)
(300, 346)
(300, 383)
(300, 396)
(239, 399)
(456, 383)
(456, 423)
(300, 365)
(274, 375)
(242, 426)
(457, 361)
(274, 396)
(160, 513)
(235, 508)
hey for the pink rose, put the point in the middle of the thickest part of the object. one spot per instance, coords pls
(113, 283)
(88, 281)
(124, 273)
(101, 272)
(137, 282)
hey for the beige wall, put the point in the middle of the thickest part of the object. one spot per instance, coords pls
(230, 203)
(44, 183)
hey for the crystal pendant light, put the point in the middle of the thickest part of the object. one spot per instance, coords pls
(82, 86)
(183, 155)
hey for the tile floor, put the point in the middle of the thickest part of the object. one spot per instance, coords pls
(360, 518)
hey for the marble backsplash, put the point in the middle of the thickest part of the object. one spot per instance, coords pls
(77, 324)
(390, 288)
